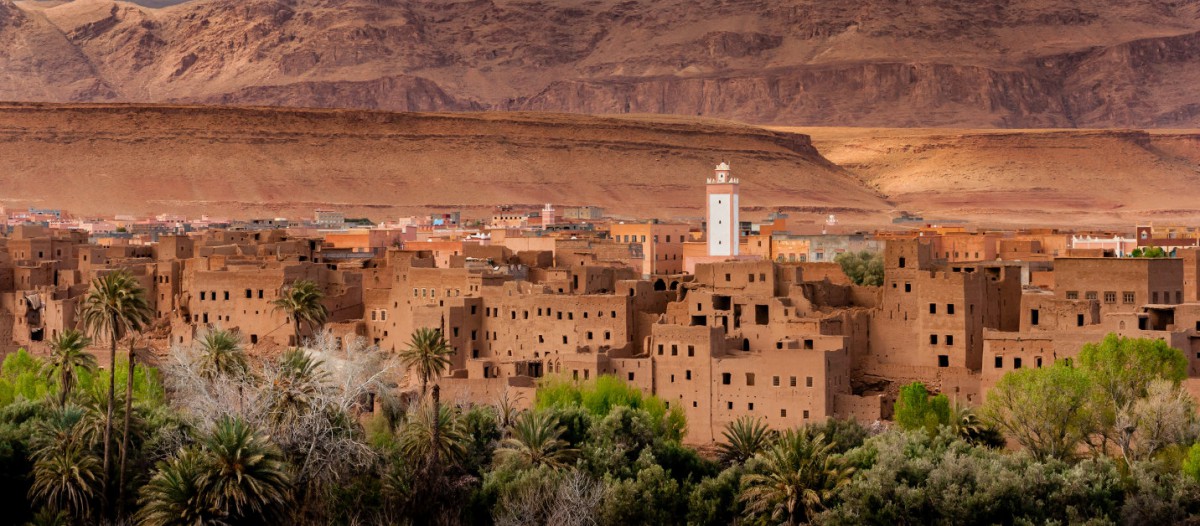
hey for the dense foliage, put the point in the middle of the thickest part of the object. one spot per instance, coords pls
(313, 436)
(863, 268)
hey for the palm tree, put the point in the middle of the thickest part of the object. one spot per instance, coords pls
(174, 496)
(115, 306)
(245, 475)
(69, 356)
(745, 437)
(66, 472)
(302, 302)
(221, 354)
(295, 385)
(424, 434)
(800, 474)
(428, 354)
(536, 441)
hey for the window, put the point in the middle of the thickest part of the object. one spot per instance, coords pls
(1016, 363)
(908, 287)
(933, 308)
(260, 294)
(691, 350)
(1079, 320)
(775, 381)
(674, 350)
(726, 379)
(901, 266)
(202, 295)
(999, 362)
(1154, 297)
(660, 349)
(1072, 294)
(750, 379)
(750, 277)
(808, 381)
(688, 374)
(793, 381)
(783, 413)
(729, 405)
(933, 339)
(806, 414)
(1110, 296)
(949, 308)
(727, 277)
(249, 294)
(1090, 295)
(630, 375)
(1033, 316)
(943, 360)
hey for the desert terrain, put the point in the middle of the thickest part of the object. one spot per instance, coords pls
(920, 63)
(109, 159)
(265, 162)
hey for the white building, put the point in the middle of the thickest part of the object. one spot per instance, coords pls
(722, 213)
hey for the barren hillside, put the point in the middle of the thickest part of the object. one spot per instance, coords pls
(1051, 177)
(256, 162)
(982, 63)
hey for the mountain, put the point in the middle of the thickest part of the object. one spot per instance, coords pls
(108, 159)
(265, 162)
(874, 63)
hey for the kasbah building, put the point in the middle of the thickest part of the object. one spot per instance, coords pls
(715, 322)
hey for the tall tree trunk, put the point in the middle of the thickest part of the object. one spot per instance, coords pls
(108, 421)
(64, 388)
(125, 434)
(437, 425)
(296, 321)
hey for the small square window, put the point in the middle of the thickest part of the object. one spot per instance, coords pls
(726, 379)
(999, 362)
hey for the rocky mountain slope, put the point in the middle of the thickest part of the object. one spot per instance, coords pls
(114, 159)
(984, 63)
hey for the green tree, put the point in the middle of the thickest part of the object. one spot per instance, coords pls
(1121, 370)
(66, 472)
(745, 437)
(69, 356)
(302, 301)
(797, 479)
(245, 475)
(114, 307)
(915, 409)
(1045, 409)
(426, 432)
(221, 354)
(863, 268)
(536, 441)
(295, 386)
(428, 354)
(174, 495)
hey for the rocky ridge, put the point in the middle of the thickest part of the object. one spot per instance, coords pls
(990, 63)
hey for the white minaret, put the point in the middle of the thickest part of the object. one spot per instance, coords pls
(547, 216)
(722, 213)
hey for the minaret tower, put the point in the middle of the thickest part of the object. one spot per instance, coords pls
(722, 213)
(547, 217)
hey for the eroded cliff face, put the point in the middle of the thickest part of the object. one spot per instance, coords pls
(987, 63)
